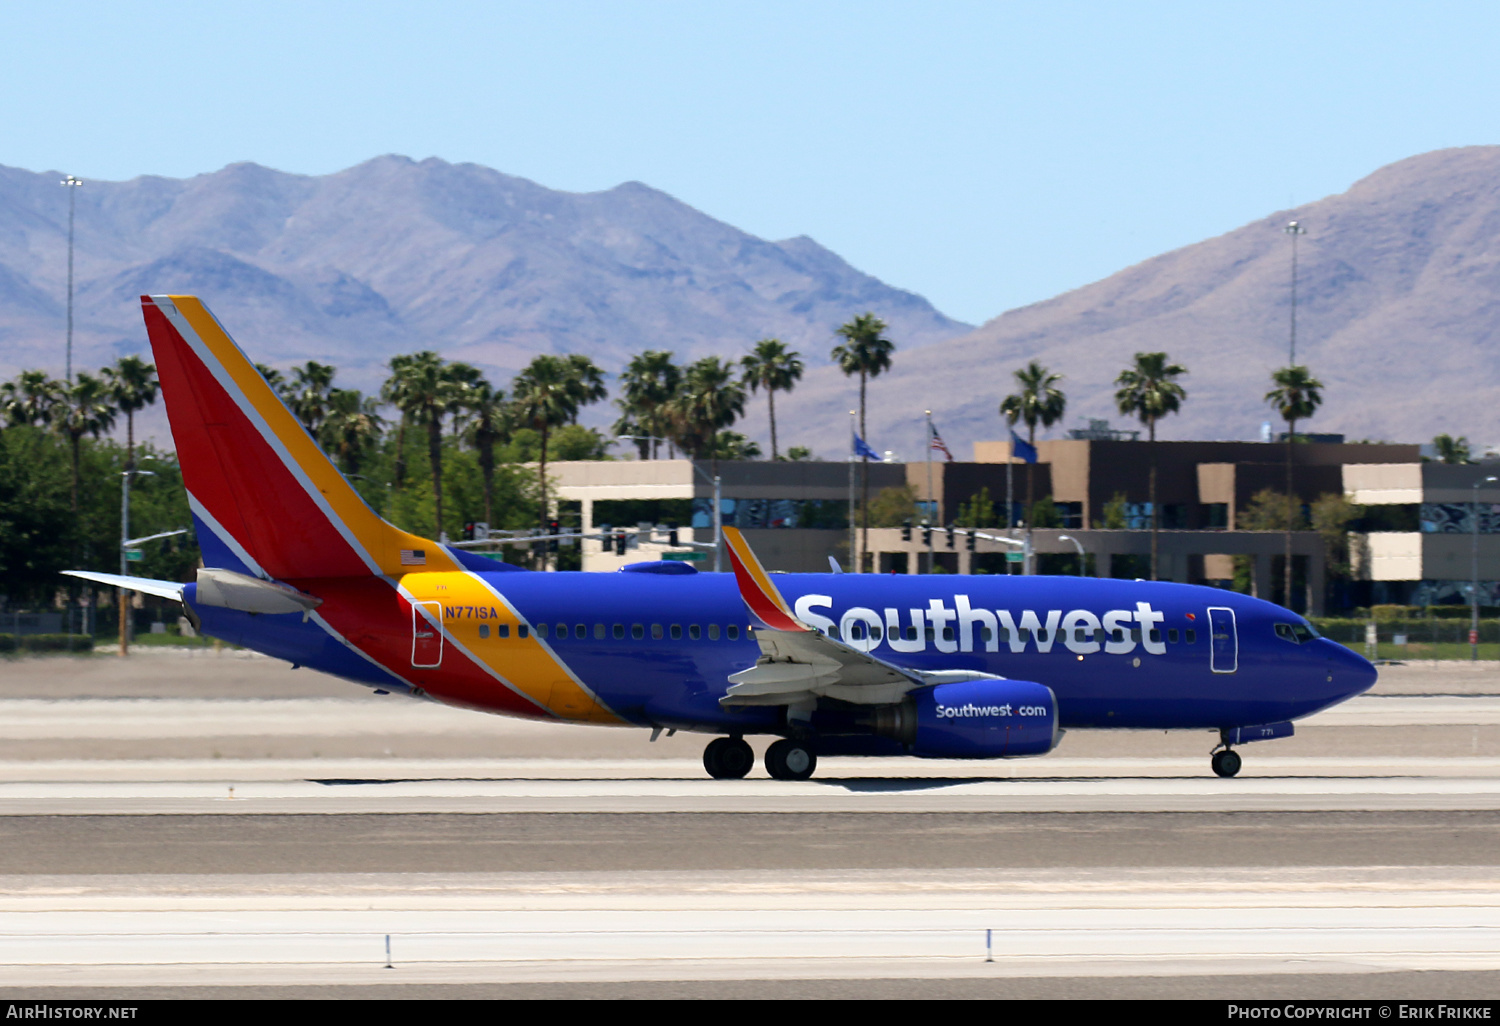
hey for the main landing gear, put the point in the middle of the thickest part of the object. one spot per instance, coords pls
(790, 760)
(1226, 763)
(730, 758)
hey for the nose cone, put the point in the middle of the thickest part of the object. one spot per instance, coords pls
(1352, 673)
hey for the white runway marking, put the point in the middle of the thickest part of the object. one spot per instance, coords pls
(842, 787)
(757, 924)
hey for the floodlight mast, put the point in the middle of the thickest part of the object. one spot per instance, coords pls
(1474, 570)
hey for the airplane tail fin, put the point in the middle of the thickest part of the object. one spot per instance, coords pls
(265, 498)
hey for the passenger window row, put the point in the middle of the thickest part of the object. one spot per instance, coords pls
(601, 632)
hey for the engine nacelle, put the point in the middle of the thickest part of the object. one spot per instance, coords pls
(978, 719)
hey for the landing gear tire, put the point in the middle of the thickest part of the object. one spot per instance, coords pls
(1226, 763)
(728, 758)
(790, 760)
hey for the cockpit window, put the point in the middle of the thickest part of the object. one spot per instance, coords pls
(1296, 633)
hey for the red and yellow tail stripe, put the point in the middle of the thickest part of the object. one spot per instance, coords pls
(760, 595)
(254, 468)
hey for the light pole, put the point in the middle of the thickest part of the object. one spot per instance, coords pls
(1077, 545)
(1474, 583)
(125, 476)
(714, 480)
(1294, 229)
(71, 184)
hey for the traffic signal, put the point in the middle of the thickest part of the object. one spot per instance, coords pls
(927, 534)
(950, 537)
(672, 537)
(906, 530)
(468, 532)
(552, 529)
(619, 543)
(969, 539)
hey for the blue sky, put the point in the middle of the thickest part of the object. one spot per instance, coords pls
(986, 155)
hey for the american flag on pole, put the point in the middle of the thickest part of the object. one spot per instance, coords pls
(937, 442)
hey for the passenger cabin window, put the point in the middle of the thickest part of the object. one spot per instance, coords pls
(987, 635)
(484, 630)
(733, 631)
(1172, 635)
(694, 632)
(541, 630)
(580, 631)
(677, 632)
(1191, 635)
(637, 631)
(713, 632)
(503, 630)
(598, 632)
(656, 632)
(523, 631)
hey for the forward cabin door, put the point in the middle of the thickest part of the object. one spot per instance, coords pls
(426, 634)
(1223, 640)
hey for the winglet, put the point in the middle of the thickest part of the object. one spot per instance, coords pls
(760, 595)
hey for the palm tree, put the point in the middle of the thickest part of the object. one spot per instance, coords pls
(464, 377)
(488, 426)
(544, 396)
(393, 391)
(771, 366)
(866, 352)
(86, 409)
(709, 400)
(307, 395)
(133, 386)
(1453, 450)
(421, 388)
(649, 382)
(273, 377)
(1150, 391)
(31, 398)
(1039, 401)
(351, 428)
(1297, 396)
(589, 380)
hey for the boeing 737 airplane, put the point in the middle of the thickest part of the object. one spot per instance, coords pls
(297, 566)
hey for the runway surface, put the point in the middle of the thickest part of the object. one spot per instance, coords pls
(176, 826)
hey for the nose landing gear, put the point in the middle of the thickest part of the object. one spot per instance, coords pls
(1226, 762)
(728, 758)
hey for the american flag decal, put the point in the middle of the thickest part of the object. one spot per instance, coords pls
(413, 557)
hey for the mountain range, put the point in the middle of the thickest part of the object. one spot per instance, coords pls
(396, 255)
(1397, 313)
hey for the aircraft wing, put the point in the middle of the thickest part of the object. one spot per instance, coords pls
(798, 663)
(161, 589)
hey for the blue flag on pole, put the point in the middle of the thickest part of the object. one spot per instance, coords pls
(861, 449)
(1020, 447)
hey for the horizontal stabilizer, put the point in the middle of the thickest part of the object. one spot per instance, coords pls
(229, 590)
(145, 585)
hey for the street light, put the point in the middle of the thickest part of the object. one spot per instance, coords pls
(72, 184)
(1474, 583)
(1294, 229)
(714, 480)
(1077, 545)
